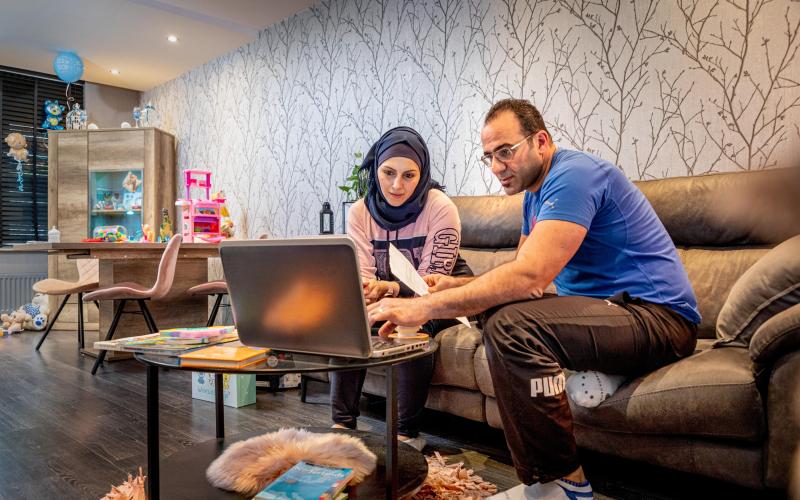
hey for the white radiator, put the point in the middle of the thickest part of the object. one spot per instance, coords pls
(16, 290)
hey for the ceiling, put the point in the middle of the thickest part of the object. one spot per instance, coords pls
(131, 35)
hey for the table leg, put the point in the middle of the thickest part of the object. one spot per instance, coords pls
(219, 406)
(153, 492)
(391, 432)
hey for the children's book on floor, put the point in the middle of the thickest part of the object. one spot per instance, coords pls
(307, 480)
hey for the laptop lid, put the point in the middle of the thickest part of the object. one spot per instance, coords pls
(299, 295)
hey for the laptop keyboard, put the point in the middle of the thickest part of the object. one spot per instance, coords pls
(379, 344)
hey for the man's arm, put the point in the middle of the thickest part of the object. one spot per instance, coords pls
(438, 282)
(522, 239)
(540, 258)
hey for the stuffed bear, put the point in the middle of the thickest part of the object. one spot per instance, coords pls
(53, 111)
(13, 323)
(17, 146)
(38, 310)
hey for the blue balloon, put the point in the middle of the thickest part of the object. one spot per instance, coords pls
(68, 66)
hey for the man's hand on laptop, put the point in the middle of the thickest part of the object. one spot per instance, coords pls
(403, 312)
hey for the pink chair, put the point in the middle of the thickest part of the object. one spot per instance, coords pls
(218, 288)
(88, 280)
(123, 292)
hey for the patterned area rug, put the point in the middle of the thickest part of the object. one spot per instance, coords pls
(452, 481)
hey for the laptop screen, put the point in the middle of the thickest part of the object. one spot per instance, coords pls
(301, 295)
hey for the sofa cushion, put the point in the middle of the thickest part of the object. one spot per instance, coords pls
(770, 286)
(485, 259)
(739, 208)
(778, 336)
(454, 359)
(460, 402)
(712, 393)
(712, 273)
(490, 221)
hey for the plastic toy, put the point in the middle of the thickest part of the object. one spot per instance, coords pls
(148, 234)
(110, 233)
(201, 217)
(53, 111)
(165, 232)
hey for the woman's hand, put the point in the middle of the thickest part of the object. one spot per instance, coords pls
(375, 290)
(439, 282)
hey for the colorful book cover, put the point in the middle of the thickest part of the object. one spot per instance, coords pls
(223, 356)
(307, 481)
(200, 332)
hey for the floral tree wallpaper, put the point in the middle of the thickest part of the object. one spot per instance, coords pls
(660, 88)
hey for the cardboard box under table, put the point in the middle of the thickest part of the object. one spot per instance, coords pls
(237, 389)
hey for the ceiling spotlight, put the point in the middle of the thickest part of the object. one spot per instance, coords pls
(114, 71)
(172, 38)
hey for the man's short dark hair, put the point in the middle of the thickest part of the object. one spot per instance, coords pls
(529, 117)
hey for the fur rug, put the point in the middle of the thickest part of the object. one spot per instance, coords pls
(248, 466)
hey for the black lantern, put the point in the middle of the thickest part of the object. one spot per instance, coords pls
(326, 219)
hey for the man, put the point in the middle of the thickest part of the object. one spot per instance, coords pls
(624, 303)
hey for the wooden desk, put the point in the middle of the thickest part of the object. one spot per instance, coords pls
(138, 262)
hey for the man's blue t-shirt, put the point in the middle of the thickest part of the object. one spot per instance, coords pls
(626, 249)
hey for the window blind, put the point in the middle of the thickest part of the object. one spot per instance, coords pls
(23, 214)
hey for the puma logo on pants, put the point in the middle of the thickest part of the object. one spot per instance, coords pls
(548, 386)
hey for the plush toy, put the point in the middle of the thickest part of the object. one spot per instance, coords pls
(590, 388)
(38, 310)
(54, 112)
(13, 323)
(17, 146)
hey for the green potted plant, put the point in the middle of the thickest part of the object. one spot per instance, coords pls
(354, 188)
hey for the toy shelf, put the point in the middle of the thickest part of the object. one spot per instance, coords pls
(115, 212)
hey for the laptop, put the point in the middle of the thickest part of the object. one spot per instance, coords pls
(302, 295)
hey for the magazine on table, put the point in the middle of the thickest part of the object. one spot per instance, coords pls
(164, 343)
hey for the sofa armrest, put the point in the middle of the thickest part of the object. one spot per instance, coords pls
(776, 337)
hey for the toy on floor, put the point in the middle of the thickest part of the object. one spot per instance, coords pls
(14, 322)
(200, 216)
(38, 310)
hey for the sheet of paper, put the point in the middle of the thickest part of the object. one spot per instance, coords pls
(405, 272)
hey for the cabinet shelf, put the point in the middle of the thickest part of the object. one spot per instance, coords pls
(115, 212)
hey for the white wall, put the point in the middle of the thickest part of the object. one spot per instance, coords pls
(278, 120)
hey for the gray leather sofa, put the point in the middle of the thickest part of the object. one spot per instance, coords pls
(709, 413)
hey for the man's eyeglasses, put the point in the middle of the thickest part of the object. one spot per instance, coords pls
(503, 155)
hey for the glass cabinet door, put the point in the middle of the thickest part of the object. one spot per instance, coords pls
(115, 204)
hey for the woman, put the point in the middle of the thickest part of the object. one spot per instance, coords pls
(405, 207)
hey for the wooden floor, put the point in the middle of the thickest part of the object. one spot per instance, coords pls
(68, 435)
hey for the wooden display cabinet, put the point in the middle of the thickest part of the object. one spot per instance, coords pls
(83, 163)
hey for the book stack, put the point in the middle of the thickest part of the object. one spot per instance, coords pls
(172, 342)
(307, 480)
(223, 356)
